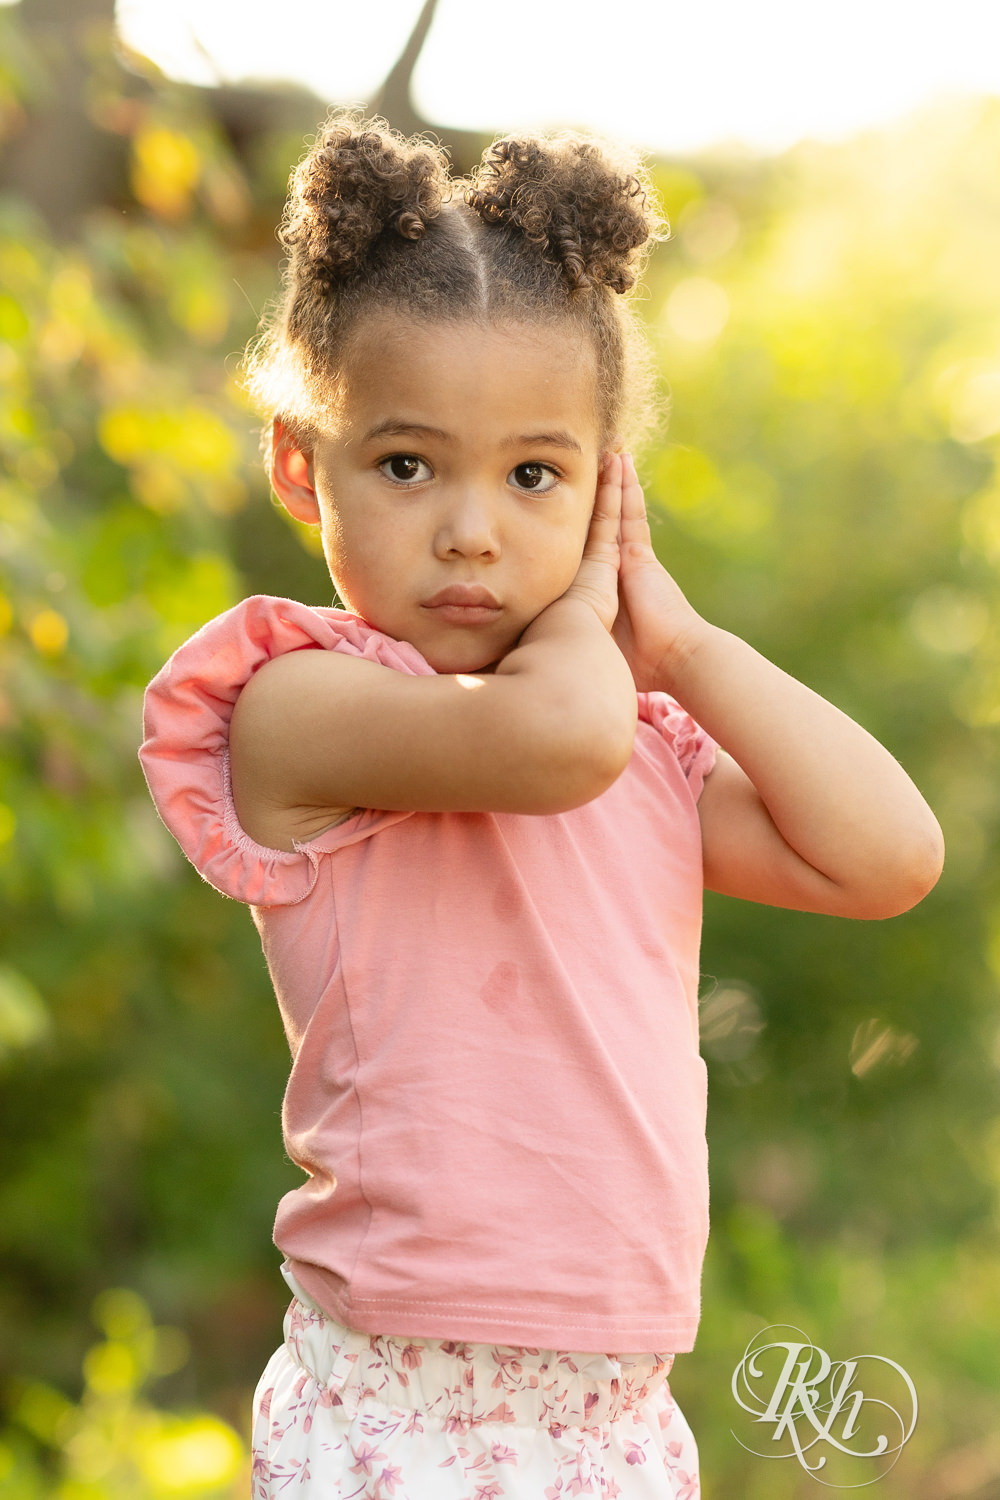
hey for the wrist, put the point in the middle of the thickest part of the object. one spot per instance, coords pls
(567, 616)
(677, 666)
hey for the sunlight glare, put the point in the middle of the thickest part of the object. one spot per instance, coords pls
(681, 78)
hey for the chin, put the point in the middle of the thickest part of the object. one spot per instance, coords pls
(444, 664)
(445, 659)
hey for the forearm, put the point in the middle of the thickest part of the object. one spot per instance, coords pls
(836, 796)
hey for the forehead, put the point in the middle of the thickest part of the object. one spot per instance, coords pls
(466, 377)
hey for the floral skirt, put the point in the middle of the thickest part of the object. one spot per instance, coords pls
(342, 1415)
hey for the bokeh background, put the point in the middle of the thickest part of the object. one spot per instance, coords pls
(826, 318)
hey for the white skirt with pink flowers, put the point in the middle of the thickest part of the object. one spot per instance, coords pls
(342, 1415)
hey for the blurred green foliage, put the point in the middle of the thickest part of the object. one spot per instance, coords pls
(828, 327)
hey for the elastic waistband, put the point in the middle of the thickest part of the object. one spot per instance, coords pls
(461, 1384)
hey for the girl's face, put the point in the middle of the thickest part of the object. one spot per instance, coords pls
(463, 459)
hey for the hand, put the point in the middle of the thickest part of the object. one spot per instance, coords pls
(596, 581)
(655, 627)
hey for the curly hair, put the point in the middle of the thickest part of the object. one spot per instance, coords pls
(547, 229)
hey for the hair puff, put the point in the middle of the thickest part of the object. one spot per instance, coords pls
(359, 180)
(592, 218)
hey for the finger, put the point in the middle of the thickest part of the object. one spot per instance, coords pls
(604, 522)
(634, 522)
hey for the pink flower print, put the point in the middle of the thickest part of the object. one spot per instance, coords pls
(301, 1384)
(666, 1415)
(590, 1400)
(260, 1474)
(675, 1449)
(366, 1455)
(414, 1422)
(501, 1413)
(553, 1491)
(491, 1490)
(613, 1489)
(411, 1356)
(390, 1478)
(265, 1402)
(503, 1455)
(690, 1488)
(634, 1453)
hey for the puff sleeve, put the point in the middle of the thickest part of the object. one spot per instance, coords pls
(184, 756)
(692, 747)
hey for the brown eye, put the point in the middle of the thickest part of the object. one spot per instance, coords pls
(537, 477)
(404, 468)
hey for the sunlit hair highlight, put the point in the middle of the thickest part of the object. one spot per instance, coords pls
(547, 230)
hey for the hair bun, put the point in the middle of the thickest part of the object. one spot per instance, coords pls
(358, 181)
(592, 215)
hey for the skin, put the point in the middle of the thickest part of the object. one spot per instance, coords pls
(803, 809)
(501, 493)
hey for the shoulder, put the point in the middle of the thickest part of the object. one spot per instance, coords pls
(188, 709)
(681, 738)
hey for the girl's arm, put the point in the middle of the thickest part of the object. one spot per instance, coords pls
(317, 732)
(804, 808)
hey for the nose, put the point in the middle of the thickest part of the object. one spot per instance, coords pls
(467, 528)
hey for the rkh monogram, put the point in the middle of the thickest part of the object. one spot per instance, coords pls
(796, 1388)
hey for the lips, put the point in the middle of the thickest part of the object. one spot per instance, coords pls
(466, 605)
(464, 595)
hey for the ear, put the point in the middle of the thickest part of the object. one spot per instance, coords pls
(292, 475)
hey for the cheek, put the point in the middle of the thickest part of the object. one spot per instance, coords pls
(559, 549)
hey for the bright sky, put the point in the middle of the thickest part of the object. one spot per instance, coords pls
(672, 75)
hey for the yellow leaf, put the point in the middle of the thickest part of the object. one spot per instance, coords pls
(49, 632)
(165, 168)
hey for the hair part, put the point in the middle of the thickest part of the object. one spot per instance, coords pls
(547, 230)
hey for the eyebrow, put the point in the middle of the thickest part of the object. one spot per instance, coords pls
(392, 427)
(549, 439)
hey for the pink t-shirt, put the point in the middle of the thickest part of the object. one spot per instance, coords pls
(496, 1089)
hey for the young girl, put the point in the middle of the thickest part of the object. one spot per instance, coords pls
(473, 812)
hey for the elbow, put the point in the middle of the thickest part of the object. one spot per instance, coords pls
(914, 873)
(599, 765)
(585, 750)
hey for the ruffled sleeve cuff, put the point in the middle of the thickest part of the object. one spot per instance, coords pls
(694, 749)
(187, 710)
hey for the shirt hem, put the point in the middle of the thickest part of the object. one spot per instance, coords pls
(507, 1326)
